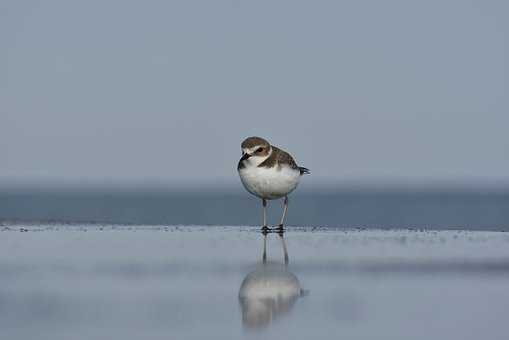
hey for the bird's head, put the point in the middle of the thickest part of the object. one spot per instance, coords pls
(255, 150)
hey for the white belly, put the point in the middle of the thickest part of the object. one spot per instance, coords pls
(269, 183)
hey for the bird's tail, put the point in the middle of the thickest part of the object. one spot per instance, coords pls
(304, 170)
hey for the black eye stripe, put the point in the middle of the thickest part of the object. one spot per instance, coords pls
(259, 150)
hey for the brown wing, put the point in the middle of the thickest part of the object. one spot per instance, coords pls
(279, 157)
(284, 157)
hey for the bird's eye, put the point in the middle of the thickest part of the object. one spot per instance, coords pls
(259, 150)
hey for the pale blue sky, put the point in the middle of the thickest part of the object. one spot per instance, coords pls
(165, 91)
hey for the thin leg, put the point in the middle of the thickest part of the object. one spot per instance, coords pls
(285, 209)
(264, 203)
(264, 255)
(284, 248)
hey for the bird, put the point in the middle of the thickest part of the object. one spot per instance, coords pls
(269, 173)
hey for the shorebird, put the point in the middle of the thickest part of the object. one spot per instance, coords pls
(269, 173)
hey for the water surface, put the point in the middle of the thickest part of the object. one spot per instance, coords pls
(430, 209)
(131, 282)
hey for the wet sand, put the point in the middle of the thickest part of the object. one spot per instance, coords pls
(131, 282)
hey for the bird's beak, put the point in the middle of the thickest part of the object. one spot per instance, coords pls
(245, 156)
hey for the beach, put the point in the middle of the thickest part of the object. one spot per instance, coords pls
(175, 282)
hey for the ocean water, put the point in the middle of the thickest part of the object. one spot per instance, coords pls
(190, 265)
(430, 209)
(172, 282)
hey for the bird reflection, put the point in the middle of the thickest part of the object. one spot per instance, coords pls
(269, 291)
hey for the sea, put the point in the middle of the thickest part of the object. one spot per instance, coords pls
(175, 264)
(337, 208)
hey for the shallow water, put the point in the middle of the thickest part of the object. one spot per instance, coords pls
(131, 282)
(430, 209)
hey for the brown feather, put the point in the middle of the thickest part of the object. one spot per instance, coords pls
(254, 141)
(279, 158)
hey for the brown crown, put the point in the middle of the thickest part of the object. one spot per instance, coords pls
(254, 141)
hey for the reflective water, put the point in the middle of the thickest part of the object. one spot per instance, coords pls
(107, 282)
(269, 291)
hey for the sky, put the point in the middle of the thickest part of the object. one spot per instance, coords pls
(163, 92)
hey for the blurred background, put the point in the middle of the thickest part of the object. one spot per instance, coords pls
(133, 112)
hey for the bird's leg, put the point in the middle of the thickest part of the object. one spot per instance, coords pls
(285, 209)
(264, 254)
(265, 228)
(285, 251)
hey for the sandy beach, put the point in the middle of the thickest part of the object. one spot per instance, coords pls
(155, 282)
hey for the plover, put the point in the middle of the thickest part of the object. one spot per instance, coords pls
(269, 173)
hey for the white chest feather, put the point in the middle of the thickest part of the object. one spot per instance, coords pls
(269, 183)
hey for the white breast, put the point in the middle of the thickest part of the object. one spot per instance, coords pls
(269, 183)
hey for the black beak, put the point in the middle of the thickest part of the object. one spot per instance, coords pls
(244, 156)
